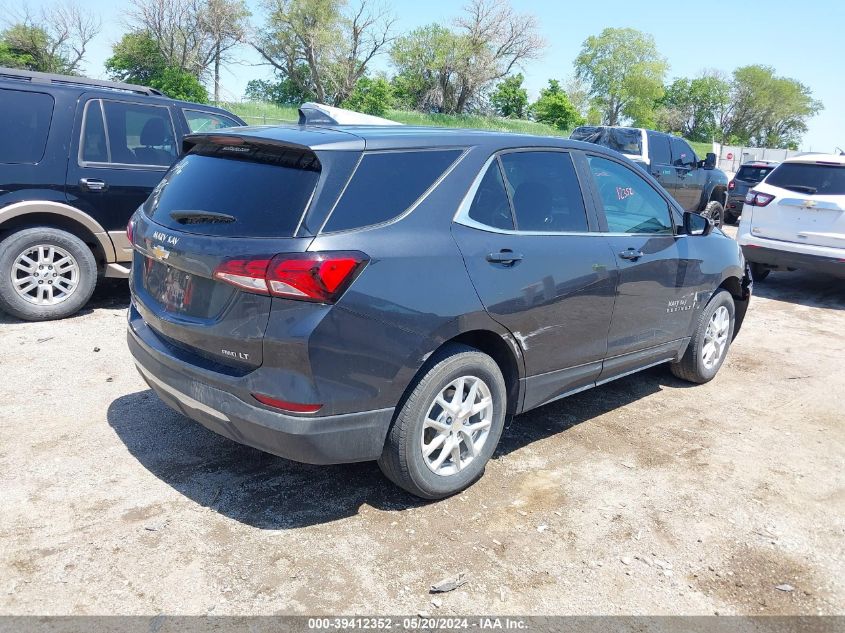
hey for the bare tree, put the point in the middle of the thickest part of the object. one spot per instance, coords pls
(498, 39)
(56, 38)
(334, 44)
(224, 22)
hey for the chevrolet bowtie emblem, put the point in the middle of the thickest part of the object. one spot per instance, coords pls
(810, 203)
(159, 252)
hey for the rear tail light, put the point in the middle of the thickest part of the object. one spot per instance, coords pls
(284, 405)
(732, 185)
(320, 277)
(757, 199)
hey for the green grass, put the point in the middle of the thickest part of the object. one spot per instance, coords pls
(259, 113)
(701, 149)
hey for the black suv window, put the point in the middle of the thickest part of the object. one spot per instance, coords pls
(385, 184)
(26, 119)
(658, 149)
(122, 133)
(491, 206)
(630, 203)
(682, 154)
(199, 121)
(753, 173)
(545, 192)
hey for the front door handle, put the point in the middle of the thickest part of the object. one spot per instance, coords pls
(504, 256)
(632, 253)
(93, 184)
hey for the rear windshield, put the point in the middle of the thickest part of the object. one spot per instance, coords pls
(386, 184)
(809, 178)
(623, 140)
(751, 173)
(237, 191)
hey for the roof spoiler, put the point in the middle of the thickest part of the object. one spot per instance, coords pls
(320, 114)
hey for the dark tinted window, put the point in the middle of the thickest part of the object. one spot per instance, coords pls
(753, 174)
(490, 206)
(264, 194)
(94, 145)
(24, 117)
(630, 204)
(205, 121)
(545, 191)
(622, 139)
(386, 184)
(682, 154)
(140, 134)
(658, 149)
(810, 178)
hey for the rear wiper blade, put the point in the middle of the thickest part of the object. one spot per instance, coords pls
(202, 217)
(800, 188)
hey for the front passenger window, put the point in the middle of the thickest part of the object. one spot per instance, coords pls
(631, 205)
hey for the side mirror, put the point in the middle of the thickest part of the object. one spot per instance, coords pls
(695, 224)
(709, 161)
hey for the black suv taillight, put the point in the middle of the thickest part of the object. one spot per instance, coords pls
(320, 277)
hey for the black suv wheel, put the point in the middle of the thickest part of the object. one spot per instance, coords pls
(45, 274)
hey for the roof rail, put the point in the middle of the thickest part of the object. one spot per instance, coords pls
(68, 80)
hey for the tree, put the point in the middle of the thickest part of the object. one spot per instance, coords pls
(624, 73)
(510, 99)
(283, 91)
(137, 59)
(224, 22)
(694, 107)
(449, 70)
(554, 108)
(336, 44)
(767, 110)
(371, 96)
(55, 41)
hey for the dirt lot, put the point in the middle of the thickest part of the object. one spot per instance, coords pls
(645, 496)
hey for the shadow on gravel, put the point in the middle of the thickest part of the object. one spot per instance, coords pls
(807, 289)
(109, 294)
(269, 492)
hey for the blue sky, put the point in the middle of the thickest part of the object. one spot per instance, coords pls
(800, 39)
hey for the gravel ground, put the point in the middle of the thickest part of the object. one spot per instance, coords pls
(645, 496)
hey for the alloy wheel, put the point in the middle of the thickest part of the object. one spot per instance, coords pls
(45, 274)
(716, 337)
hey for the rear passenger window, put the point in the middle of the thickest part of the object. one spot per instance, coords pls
(545, 192)
(128, 134)
(25, 118)
(630, 204)
(206, 121)
(386, 184)
(658, 149)
(490, 206)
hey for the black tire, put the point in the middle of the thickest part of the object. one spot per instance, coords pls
(759, 272)
(731, 218)
(692, 366)
(715, 211)
(402, 459)
(16, 244)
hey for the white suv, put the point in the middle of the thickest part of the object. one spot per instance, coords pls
(795, 218)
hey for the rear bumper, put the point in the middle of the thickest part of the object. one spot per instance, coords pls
(787, 260)
(351, 437)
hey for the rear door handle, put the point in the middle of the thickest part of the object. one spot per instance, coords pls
(93, 184)
(631, 253)
(504, 256)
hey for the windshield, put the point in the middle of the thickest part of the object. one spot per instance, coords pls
(809, 178)
(754, 173)
(622, 139)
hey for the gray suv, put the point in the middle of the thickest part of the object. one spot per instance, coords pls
(341, 293)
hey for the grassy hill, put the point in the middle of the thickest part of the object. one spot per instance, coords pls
(258, 113)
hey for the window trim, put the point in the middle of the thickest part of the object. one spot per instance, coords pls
(110, 165)
(403, 150)
(206, 112)
(49, 125)
(462, 214)
(670, 204)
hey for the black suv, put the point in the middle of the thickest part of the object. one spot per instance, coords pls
(696, 184)
(78, 157)
(749, 174)
(348, 293)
